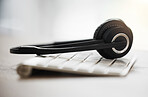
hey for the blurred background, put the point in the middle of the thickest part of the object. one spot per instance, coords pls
(59, 20)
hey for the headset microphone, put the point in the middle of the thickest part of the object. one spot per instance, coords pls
(112, 39)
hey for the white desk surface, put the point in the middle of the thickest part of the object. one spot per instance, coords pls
(135, 84)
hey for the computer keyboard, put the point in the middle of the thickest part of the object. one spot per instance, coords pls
(84, 63)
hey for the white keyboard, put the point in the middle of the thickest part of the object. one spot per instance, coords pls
(86, 62)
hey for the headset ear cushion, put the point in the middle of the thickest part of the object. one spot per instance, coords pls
(118, 34)
(107, 31)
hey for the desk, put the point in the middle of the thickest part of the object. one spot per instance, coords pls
(135, 84)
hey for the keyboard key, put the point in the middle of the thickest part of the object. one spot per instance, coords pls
(87, 64)
(67, 55)
(56, 62)
(93, 58)
(118, 66)
(53, 55)
(75, 60)
(70, 64)
(34, 61)
(84, 66)
(44, 62)
(102, 66)
(81, 56)
(120, 63)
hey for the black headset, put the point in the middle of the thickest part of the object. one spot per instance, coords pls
(112, 39)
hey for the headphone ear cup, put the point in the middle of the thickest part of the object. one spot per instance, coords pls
(117, 34)
(110, 29)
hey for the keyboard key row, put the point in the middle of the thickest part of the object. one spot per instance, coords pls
(89, 63)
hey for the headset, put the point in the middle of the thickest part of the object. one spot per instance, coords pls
(112, 39)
